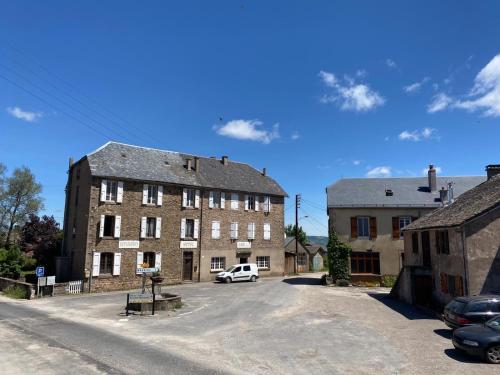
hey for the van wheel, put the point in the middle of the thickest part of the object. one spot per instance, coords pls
(253, 279)
(493, 354)
(228, 280)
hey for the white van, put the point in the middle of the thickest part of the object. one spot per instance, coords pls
(239, 272)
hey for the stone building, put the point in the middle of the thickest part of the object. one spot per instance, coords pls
(455, 250)
(130, 207)
(370, 213)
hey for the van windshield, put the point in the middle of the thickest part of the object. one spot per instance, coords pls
(230, 269)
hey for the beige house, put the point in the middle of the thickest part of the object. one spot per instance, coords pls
(130, 208)
(455, 250)
(370, 213)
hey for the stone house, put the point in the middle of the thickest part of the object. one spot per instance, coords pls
(130, 207)
(455, 250)
(302, 255)
(370, 213)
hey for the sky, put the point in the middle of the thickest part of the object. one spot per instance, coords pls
(313, 91)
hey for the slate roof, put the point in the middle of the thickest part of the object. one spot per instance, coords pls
(469, 205)
(290, 245)
(407, 192)
(118, 160)
(314, 248)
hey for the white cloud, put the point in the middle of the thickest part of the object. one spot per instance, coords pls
(379, 172)
(391, 64)
(24, 115)
(439, 102)
(295, 135)
(439, 170)
(361, 73)
(356, 162)
(248, 130)
(416, 135)
(427, 132)
(349, 95)
(415, 87)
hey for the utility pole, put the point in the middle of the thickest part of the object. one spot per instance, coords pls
(297, 205)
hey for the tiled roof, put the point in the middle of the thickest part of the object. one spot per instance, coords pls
(119, 160)
(406, 192)
(469, 205)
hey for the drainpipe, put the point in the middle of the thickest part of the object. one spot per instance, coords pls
(200, 235)
(466, 266)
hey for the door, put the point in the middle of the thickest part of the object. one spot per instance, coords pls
(426, 249)
(243, 260)
(422, 289)
(187, 268)
(238, 274)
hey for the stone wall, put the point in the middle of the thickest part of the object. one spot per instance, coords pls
(29, 288)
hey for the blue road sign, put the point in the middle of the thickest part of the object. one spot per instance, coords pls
(40, 271)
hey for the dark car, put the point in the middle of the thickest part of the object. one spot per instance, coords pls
(480, 340)
(465, 311)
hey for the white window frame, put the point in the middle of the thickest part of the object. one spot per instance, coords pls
(233, 233)
(190, 198)
(267, 203)
(235, 201)
(359, 220)
(153, 233)
(267, 231)
(251, 231)
(402, 220)
(217, 264)
(152, 197)
(110, 197)
(215, 230)
(187, 234)
(263, 262)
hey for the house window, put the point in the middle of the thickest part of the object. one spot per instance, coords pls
(251, 202)
(149, 259)
(263, 262)
(442, 242)
(215, 199)
(190, 228)
(267, 204)
(301, 259)
(363, 227)
(251, 231)
(152, 194)
(234, 231)
(267, 231)
(106, 265)
(234, 201)
(403, 222)
(215, 229)
(217, 263)
(365, 262)
(150, 227)
(111, 191)
(109, 226)
(190, 197)
(414, 242)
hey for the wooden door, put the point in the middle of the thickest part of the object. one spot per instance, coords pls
(422, 289)
(187, 268)
(426, 249)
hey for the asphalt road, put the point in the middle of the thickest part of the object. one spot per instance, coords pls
(274, 326)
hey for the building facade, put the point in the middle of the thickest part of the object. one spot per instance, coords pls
(370, 213)
(129, 208)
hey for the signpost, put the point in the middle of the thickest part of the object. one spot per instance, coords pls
(40, 271)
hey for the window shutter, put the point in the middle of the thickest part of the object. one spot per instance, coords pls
(459, 286)
(251, 231)
(159, 201)
(104, 187)
(215, 229)
(246, 202)
(222, 200)
(118, 225)
(257, 203)
(395, 228)
(119, 193)
(211, 199)
(267, 231)
(101, 227)
(235, 230)
(184, 197)
(96, 264)
(373, 228)
(140, 260)
(354, 227)
(158, 261)
(116, 264)
(158, 227)
(143, 227)
(183, 228)
(196, 227)
(197, 199)
(145, 194)
(267, 203)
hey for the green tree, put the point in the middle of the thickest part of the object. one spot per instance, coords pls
(338, 258)
(11, 262)
(20, 198)
(290, 232)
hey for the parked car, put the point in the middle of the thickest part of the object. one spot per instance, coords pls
(239, 272)
(465, 311)
(480, 340)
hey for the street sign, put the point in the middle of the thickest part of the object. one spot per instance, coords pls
(40, 271)
(42, 281)
(147, 270)
(51, 280)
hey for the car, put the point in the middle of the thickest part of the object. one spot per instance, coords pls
(465, 311)
(239, 272)
(481, 340)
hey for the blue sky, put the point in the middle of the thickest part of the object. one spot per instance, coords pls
(314, 91)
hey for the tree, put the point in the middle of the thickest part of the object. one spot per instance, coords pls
(11, 262)
(3, 211)
(338, 257)
(290, 232)
(20, 198)
(43, 237)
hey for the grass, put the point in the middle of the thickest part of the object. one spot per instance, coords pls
(15, 291)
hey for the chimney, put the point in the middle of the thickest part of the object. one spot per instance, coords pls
(189, 164)
(196, 163)
(443, 195)
(264, 171)
(451, 198)
(431, 176)
(225, 160)
(70, 162)
(492, 170)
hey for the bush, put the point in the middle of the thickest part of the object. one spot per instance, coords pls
(11, 262)
(342, 282)
(389, 280)
(29, 264)
(338, 258)
(15, 291)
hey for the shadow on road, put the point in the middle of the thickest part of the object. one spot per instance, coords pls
(446, 333)
(303, 281)
(408, 311)
(460, 356)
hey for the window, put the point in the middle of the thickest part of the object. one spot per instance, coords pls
(403, 222)
(263, 262)
(234, 201)
(301, 259)
(363, 226)
(106, 264)
(251, 231)
(442, 242)
(365, 262)
(246, 268)
(267, 204)
(109, 226)
(215, 229)
(215, 199)
(111, 191)
(152, 194)
(267, 231)
(237, 269)
(190, 228)
(414, 242)
(149, 259)
(150, 227)
(234, 231)
(217, 263)
(251, 202)
(190, 198)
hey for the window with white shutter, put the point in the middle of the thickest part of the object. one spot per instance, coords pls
(118, 224)
(251, 231)
(196, 228)
(183, 228)
(111, 191)
(139, 261)
(144, 221)
(234, 201)
(104, 186)
(211, 199)
(117, 263)
(96, 263)
(152, 194)
(101, 226)
(257, 198)
(234, 231)
(145, 189)
(159, 200)
(119, 194)
(158, 261)
(189, 197)
(267, 231)
(158, 227)
(267, 204)
(215, 229)
(222, 200)
(197, 199)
